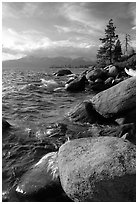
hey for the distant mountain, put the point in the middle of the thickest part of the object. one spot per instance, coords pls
(45, 62)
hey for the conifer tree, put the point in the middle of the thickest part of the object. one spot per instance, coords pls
(105, 53)
(117, 50)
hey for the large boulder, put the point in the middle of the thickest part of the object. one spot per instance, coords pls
(76, 85)
(63, 72)
(85, 113)
(112, 71)
(128, 117)
(116, 100)
(98, 85)
(98, 169)
(41, 180)
(96, 73)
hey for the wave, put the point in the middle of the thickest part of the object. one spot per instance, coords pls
(50, 85)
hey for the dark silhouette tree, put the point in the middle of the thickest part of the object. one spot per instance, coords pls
(105, 53)
(117, 50)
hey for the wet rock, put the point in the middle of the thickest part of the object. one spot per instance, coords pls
(130, 72)
(85, 113)
(76, 85)
(98, 85)
(128, 117)
(109, 82)
(98, 169)
(98, 80)
(112, 71)
(5, 125)
(41, 180)
(71, 79)
(118, 80)
(63, 72)
(97, 130)
(96, 73)
(116, 100)
(5, 196)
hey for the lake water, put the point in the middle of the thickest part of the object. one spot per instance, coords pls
(30, 107)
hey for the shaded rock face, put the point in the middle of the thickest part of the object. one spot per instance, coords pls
(96, 73)
(63, 72)
(113, 71)
(109, 81)
(98, 169)
(85, 113)
(5, 125)
(117, 99)
(97, 85)
(128, 117)
(41, 180)
(129, 130)
(76, 85)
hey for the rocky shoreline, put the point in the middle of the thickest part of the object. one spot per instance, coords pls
(98, 162)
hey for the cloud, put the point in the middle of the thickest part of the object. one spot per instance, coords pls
(77, 29)
(20, 9)
(29, 42)
(82, 15)
(62, 28)
(7, 12)
(8, 56)
(132, 12)
(24, 41)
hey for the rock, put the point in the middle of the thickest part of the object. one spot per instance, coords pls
(97, 130)
(96, 73)
(76, 85)
(98, 80)
(116, 100)
(130, 72)
(41, 180)
(63, 72)
(5, 196)
(116, 81)
(128, 117)
(109, 81)
(85, 113)
(98, 85)
(71, 79)
(98, 169)
(5, 125)
(112, 71)
(76, 131)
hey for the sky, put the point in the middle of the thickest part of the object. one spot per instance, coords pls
(68, 29)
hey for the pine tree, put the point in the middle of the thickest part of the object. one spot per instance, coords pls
(106, 51)
(117, 50)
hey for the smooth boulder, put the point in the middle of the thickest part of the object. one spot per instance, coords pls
(112, 71)
(76, 85)
(96, 73)
(116, 100)
(85, 113)
(98, 169)
(63, 72)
